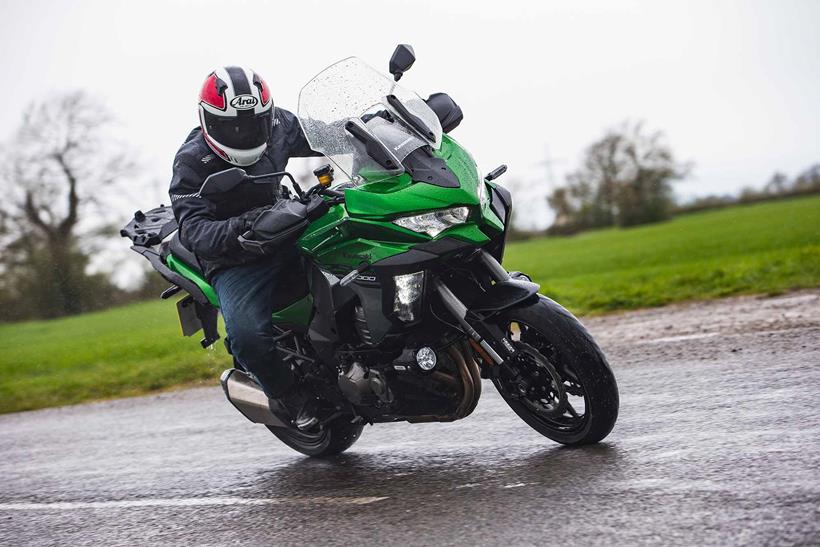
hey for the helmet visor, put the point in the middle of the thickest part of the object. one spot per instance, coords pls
(242, 132)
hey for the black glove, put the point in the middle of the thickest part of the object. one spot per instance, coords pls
(246, 219)
(280, 224)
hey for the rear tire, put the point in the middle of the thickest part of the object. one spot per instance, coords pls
(328, 440)
(569, 350)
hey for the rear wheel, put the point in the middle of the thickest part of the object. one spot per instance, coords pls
(559, 383)
(323, 441)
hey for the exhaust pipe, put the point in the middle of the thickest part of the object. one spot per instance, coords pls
(469, 379)
(249, 399)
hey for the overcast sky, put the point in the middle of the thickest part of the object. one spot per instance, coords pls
(734, 85)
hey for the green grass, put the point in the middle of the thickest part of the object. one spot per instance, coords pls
(123, 351)
(763, 248)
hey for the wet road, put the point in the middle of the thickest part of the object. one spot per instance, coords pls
(718, 442)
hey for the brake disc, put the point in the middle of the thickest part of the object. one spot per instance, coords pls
(538, 384)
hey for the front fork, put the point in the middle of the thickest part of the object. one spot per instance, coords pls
(497, 347)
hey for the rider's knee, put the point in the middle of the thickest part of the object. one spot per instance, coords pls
(248, 344)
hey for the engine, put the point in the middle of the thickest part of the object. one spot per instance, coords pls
(422, 383)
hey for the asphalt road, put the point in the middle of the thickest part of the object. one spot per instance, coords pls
(718, 442)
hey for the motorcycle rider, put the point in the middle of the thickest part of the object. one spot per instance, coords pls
(240, 126)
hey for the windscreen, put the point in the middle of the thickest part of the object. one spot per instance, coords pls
(352, 89)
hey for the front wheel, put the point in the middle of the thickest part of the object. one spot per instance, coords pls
(559, 382)
(326, 440)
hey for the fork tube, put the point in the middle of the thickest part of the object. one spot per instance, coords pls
(497, 271)
(459, 311)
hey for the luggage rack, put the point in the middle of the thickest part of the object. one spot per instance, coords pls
(147, 231)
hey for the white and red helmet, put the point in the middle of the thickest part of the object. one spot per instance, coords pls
(235, 113)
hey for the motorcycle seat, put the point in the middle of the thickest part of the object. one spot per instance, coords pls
(183, 253)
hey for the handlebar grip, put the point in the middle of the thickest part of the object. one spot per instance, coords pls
(333, 193)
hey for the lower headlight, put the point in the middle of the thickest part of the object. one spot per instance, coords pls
(435, 222)
(407, 299)
(426, 359)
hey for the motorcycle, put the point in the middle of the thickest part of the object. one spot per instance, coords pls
(407, 306)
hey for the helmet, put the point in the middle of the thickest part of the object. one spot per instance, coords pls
(235, 113)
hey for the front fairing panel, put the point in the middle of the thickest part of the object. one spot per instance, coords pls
(362, 230)
(400, 195)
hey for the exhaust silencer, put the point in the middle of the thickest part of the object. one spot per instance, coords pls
(249, 399)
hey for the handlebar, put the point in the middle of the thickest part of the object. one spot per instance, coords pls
(295, 184)
(338, 197)
(332, 193)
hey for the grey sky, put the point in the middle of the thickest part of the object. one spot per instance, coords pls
(734, 85)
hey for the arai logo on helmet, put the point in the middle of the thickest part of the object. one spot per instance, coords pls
(244, 102)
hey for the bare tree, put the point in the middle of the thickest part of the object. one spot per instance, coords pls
(625, 179)
(58, 167)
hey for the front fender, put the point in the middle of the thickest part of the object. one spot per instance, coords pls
(504, 295)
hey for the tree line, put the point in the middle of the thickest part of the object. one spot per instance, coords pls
(779, 186)
(625, 179)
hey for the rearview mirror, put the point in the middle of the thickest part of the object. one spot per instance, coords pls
(446, 109)
(223, 181)
(401, 61)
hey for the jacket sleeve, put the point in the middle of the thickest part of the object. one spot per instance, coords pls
(199, 228)
(294, 137)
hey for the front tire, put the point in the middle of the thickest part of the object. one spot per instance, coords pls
(327, 440)
(558, 362)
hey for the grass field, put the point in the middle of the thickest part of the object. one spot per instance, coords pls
(123, 351)
(763, 248)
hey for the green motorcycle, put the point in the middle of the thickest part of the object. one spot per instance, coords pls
(406, 307)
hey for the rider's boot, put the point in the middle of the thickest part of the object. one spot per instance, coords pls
(302, 407)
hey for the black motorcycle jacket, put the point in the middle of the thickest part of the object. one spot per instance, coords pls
(210, 226)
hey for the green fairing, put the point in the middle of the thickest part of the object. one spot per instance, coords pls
(298, 313)
(399, 195)
(362, 230)
(184, 270)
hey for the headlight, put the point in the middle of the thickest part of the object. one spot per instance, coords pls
(436, 222)
(407, 300)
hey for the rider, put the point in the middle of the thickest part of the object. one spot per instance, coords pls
(240, 126)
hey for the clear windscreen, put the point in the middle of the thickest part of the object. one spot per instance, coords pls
(353, 90)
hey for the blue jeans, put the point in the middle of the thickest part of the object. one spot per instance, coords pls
(248, 296)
